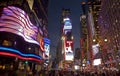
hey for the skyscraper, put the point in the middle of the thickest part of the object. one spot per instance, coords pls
(109, 28)
(94, 33)
(66, 55)
(84, 34)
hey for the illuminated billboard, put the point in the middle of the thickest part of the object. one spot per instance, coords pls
(96, 62)
(46, 48)
(18, 54)
(69, 50)
(67, 24)
(42, 45)
(16, 21)
(95, 49)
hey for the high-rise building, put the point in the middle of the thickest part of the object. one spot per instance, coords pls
(23, 26)
(93, 29)
(103, 21)
(109, 21)
(90, 32)
(66, 42)
(84, 35)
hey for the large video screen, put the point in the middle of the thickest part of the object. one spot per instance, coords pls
(96, 62)
(69, 50)
(46, 48)
(95, 49)
(16, 21)
(67, 24)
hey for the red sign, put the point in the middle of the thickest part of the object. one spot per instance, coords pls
(69, 45)
(42, 44)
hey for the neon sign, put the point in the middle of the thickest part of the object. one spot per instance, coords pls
(18, 52)
(14, 55)
(16, 21)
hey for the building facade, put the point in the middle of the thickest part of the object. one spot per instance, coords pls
(84, 36)
(103, 22)
(90, 33)
(18, 40)
(109, 29)
(93, 29)
(65, 48)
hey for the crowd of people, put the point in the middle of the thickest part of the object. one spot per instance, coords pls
(79, 73)
(60, 73)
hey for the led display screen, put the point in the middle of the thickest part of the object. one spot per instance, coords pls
(95, 49)
(69, 50)
(67, 24)
(96, 62)
(42, 44)
(46, 48)
(16, 21)
(17, 53)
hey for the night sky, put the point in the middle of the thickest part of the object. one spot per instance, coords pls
(54, 18)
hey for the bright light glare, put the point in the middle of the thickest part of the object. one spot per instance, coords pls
(94, 40)
(69, 57)
(76, 67)
(65, 19)
(97, 62)
(105, 40)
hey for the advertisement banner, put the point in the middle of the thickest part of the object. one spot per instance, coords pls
(69, 50)
(15, 20)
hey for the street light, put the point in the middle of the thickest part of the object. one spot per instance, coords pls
(105, 40)
(94, 40)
